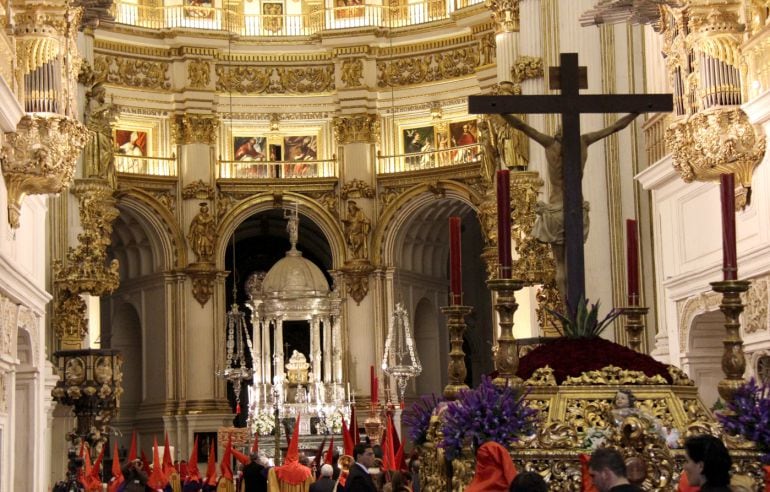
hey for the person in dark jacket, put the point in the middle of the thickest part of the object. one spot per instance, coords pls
(359, 479)
(325, 483)
(608, 471)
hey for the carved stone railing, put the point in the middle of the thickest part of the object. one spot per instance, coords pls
(147, 166)
(320, 168)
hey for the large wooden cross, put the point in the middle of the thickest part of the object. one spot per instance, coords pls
(570, 104)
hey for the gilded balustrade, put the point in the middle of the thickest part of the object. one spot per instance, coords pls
(430, 159)
(147, 166)
(284, 24)
(321, 168)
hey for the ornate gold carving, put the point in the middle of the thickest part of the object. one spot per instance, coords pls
(717, 141)
(356, 273)
(194, 128)
(199, 74)
(457, 371)
(40, 157)
(356, 128)
(99, 158)
(133, 72)
(198, 190)
(203, 277)
(328, 200)
(505, 13)
(167, 199)
(356, 189)
(506, 355)
(542, 376)
(613, 375)
(225, 203)
(488, 49)
(525, 68)
(357, 229)
(679, 378)
(432, 67)
(249, 79)
(86, 269)
(352, 73)
(756, 307)
(203, 235)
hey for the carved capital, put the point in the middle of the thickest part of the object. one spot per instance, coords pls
(199, 74)
(356, 128)
(356, 273)
(203, 277)
(191, 128)
(714, 142)
(39, 158)
(525, 68)
(505, 13)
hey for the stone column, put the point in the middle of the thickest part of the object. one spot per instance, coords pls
(266, 375)
(315, 348)
(278, 351)
(505, 13)
(327, 349)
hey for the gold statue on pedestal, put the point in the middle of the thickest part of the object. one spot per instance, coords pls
(297, 369)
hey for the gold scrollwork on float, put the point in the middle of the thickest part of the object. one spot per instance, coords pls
(194, 128)
(198, 74)
(39, 158)
(717, 141)
(432, 67)
(614, 375)
(249, 79)
(140, 73)
(356, 128)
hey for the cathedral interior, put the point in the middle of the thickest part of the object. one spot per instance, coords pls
(176, 168)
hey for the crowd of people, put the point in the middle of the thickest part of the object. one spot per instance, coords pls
(707, 469)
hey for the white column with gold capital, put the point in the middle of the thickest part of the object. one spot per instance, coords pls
(505, 13)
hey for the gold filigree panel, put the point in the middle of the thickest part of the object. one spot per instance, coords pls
(756, 307)
(126, 71)
(431, 67)
(251, 79)
(192, 128)
(356, 128)
(198, 74)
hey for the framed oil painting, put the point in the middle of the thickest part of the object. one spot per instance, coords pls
(348, 9)
(272, 15)
(198, 9)
(463, 134)
(131, 142)
(304, 148)
(249, 149)
(423, 140)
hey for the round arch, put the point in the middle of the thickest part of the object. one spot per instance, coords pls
(398, 212)
(161, 226)
(328, 225)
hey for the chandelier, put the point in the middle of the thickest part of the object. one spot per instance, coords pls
(235, 370)
(400, 360)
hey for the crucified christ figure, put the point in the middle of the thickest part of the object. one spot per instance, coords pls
(549, 224)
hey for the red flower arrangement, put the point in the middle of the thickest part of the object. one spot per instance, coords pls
(574, 356)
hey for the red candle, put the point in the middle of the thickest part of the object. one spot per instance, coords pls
(455, 262)
(632, 250)
(504, 223)
(373, 386)
(729, 253)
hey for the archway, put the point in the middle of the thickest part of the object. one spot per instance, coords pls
(419, 248)
(429, 343)
(125, 334)
(258, 243)
(703, 357)
(25, 411)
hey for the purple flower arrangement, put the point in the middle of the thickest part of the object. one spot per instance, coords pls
(750, 416)
(417, 418)
(487, 413)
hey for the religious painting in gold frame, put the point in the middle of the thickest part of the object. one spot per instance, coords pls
(249, 148)
(272, 16)
(419, 140)
(463, 134)
(199, 9)
(130, 142)
(348, 9)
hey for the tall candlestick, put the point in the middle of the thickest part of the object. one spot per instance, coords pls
(632, 246)
(455, 262)
(729, 254)
(504, 223)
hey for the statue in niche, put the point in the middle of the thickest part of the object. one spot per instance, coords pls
(357, 228)
(99, 161)
(202, 234)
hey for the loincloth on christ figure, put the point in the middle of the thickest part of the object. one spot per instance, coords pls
(549, 222)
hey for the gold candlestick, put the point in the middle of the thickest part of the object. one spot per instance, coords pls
(634, 325)
(733, 359)
(506, 355)
(457, 371)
